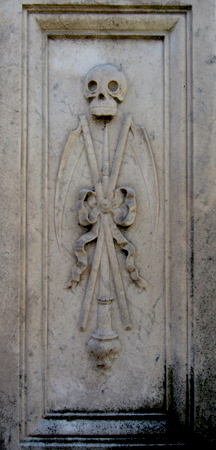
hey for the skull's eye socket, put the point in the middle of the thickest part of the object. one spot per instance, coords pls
(92, 86)
(113, 86)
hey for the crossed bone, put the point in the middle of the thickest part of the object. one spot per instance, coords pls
(104, 218)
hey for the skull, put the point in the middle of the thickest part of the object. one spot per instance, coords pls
(105, 86)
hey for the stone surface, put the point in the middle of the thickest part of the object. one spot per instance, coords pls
(98, 361)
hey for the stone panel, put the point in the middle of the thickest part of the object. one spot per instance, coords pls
(151, 50)
(124, 359)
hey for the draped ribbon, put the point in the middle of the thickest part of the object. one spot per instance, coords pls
(122, 211)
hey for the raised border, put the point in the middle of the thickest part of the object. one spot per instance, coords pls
(47, 32)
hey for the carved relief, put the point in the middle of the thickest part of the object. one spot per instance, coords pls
(104, 208)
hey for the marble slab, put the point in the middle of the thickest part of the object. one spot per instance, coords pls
(108, 213)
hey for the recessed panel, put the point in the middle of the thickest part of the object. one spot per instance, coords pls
(106, 207)
(132, 376)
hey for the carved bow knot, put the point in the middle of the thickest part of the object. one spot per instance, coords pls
(122, 206)
(105, 205)
(121, 210)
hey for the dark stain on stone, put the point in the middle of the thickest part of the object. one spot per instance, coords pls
(211, 60)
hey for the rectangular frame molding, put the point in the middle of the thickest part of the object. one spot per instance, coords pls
(39, 428)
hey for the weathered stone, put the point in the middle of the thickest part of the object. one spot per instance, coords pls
(108, 139)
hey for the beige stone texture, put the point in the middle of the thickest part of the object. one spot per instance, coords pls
(108, 210)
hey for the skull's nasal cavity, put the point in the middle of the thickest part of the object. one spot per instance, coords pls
(101, 96)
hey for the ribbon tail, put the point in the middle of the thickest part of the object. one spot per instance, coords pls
(125, 245)
(91, 281)
(82, 259)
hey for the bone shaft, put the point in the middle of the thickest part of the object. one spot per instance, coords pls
(104, 292)
(104, 321)
(91, 156)
(116, 275)
(105, 161)
(104, 268)
(119, 153)
(92, 281)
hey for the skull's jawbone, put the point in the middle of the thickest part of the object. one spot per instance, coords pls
(103, 111)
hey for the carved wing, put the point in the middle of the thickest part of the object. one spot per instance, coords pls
(142, 150)
(67, 167)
